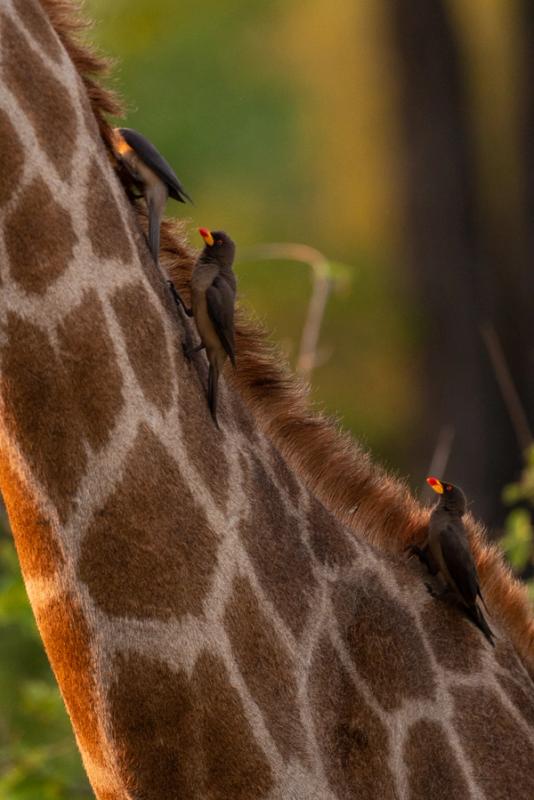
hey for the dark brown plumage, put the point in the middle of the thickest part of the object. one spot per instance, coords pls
(152, 175)
(447, 552)
(213, 290)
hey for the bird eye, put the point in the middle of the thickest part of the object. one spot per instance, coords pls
(449, 488)
(219, 241)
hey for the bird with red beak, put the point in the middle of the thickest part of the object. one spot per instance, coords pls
(152, 175)
(213, 291)
(446, 552)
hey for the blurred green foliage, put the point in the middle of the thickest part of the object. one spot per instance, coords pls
(518, 542)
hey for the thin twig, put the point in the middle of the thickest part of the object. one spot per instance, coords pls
(509, 392)
(321, 287)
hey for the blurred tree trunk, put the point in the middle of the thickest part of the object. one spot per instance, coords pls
(453, 271)
(525, 295)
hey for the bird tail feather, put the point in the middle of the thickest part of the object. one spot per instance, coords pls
(483, 601)
(153, 230)
(213, 379)
(476, 616)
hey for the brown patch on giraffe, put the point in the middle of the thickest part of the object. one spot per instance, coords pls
(514, 679)
(197, 427)
(105, 226)
(38, 25)
(89, 360)
(433, 770)
(394, 661)
(328, 540)
(520, 692)
(507, 658)
(353, 741)
(149, 552)
(39, 238)
(266, 667)
(235, 765)
(243, 418)
(286, 479)
(274, 544)
(146, 345)
(11, 158)
(196, 741)
(500, 753)
(40, 411)
(37, 547)
(154, 714)
(455, 642)
(67, 639)
(44, 99)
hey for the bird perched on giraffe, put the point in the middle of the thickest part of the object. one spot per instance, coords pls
(213, 291)
(446, 552)
(152, 175)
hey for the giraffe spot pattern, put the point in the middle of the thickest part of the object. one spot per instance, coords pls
(243, 419)
(39, 402)
(67, 639)
(201, 439)
(285, 477)
(39, 239)
(273, 542)
(149, 551)
(433, 771)
(353, 741)
(266, 667)
(142, 327)
(520, 695)
(186, 738)
(105, 227)
(514, 679)
(328, 540)
(11, 158)
(393, 662)
(37, 23)
(44, 99)
(457, 645)
(507, 658)
(89, 359)
(500, 754)
(37, 547)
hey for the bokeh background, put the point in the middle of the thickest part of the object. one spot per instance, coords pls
(396, 139)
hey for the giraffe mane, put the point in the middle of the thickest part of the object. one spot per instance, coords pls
(359, 492)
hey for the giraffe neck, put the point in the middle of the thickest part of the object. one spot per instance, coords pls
(216, 632)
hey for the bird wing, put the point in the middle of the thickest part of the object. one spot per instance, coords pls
(220, 301)
(459, 562)
(155, 161)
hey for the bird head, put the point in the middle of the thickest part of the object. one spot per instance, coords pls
(219, 247)
(451, 497)
(120, 145)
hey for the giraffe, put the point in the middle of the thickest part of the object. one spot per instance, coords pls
(228, 614)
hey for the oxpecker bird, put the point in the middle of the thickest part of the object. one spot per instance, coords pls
(213, 290)
(446, 551)
(152, 175)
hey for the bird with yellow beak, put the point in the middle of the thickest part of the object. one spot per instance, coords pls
(446, 552)
(152, 175)
(213, 291)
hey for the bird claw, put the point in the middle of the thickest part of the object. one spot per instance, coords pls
(413, 550)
